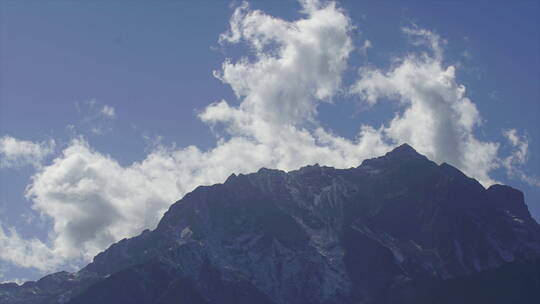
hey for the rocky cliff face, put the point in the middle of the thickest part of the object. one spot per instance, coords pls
(396, 226)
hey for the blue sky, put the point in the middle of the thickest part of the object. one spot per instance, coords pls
(109, 112)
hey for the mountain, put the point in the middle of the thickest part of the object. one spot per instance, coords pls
(397, 229)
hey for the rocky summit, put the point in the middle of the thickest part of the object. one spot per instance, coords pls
(396, 229)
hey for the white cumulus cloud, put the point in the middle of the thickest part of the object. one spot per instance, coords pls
(16, 153)
(438, 119)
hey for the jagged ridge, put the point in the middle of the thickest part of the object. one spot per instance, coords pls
(314, 235)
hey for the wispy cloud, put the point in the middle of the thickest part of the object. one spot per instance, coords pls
(108, 112)
(95, 118)
(518, 157)
(16, 153)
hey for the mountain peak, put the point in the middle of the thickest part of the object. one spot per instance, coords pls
(404, 151)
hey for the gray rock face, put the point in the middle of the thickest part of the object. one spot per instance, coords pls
(314, 235)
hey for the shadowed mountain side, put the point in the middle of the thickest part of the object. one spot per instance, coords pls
(397, 226)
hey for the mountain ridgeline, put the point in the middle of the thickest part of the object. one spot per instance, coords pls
(397, 229)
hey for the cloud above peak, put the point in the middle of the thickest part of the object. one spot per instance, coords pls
(437, 117)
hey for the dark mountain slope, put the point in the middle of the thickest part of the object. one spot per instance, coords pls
(396, 226)
(515, 282)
